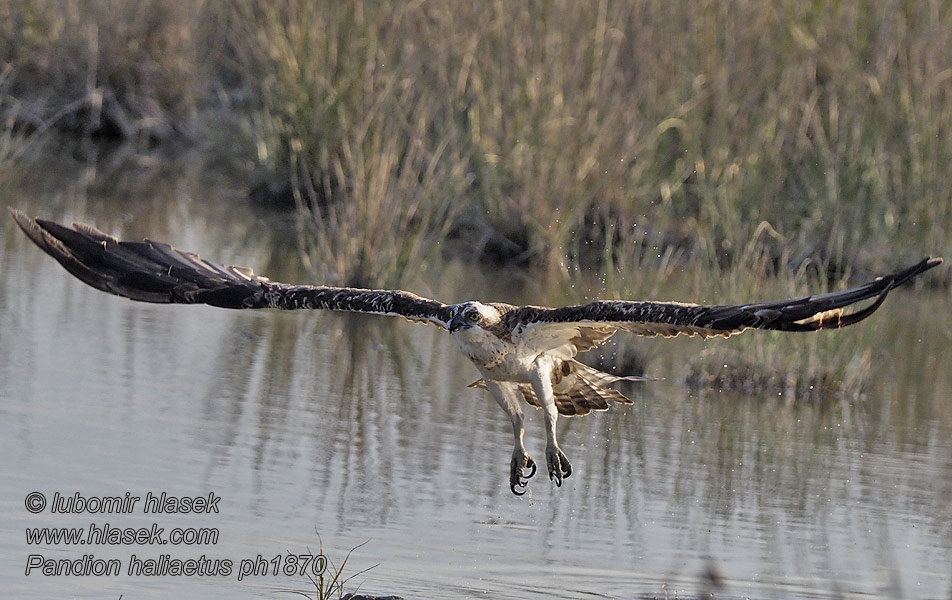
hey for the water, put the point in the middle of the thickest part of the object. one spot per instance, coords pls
(324, 431)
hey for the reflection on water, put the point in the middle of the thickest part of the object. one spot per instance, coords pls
(362, 429)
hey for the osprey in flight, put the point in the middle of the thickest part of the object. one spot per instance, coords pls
(523, 352)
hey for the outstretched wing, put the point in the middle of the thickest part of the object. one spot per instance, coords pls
(155, 272)
(574, 329)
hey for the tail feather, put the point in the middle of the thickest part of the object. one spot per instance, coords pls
(578, 391)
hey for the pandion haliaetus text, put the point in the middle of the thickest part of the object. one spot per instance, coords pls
(523, 352)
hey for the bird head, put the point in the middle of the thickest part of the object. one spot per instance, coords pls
(473, 314)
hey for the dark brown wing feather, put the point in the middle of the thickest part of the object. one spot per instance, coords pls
(821, 311)
(155, 272)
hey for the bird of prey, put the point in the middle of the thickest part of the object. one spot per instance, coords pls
(523, 352)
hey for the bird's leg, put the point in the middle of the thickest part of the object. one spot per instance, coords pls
(508, 399)
(556, 461)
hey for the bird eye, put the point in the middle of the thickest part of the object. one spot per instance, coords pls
(473, 316)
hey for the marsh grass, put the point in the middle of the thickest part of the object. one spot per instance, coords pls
(330, 582)
(558, 135)
(555, 135)
(107, 68)
(341, 118)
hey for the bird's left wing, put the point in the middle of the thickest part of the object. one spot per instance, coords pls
(156, 272)
(587, 325)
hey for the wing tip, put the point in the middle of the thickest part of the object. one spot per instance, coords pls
(27, 223)
(38, 234)
(917, 269)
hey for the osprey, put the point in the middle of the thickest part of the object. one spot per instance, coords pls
(523, 352)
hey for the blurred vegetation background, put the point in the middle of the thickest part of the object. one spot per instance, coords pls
(809, 140)
(725, 150)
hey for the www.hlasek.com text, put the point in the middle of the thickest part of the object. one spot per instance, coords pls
(106, 534)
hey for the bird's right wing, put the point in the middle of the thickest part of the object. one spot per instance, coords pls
(156, 272)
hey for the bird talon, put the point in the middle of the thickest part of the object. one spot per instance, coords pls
(520, 462)
(559, 465)
(555, 475)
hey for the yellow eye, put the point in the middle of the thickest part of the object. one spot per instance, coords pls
(473, 316)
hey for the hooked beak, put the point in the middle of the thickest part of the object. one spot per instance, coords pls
(456, 323)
